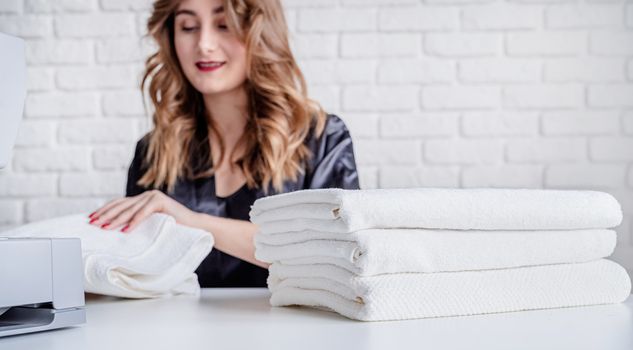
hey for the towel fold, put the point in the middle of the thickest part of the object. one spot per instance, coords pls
(378, 251)
(339, 210)
(157, 259)
(421, 295)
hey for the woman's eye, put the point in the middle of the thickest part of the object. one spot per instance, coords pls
(223, 27)
(188, 29)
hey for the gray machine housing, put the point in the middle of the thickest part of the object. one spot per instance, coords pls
(41, 284)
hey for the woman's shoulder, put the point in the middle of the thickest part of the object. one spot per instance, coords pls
(334, 131)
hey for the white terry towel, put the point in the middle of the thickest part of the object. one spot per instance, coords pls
(339, 210)
(158, 258)
(378, 251)
(416, 295)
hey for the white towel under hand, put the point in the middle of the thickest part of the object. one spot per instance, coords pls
(378, 251)
(338, 210)
(419, 295)
(158, 258)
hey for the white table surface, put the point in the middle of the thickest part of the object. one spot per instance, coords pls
(235, 318)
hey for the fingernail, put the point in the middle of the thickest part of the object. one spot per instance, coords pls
(93, 220)
(91, 215)
(125, 228)
(105, 225)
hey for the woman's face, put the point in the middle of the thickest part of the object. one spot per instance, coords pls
(212, 58)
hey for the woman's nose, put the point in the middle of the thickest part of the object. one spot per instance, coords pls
(208, 40)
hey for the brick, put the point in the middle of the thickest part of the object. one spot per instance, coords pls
(113, 157)
(97, 77)
(419, 124)
(94, 25)
(419, 18)
(611, 43)
(425, 176)
(380, 98)
(93, 184)
(491, 124)
(27, 26)
(60, 6)
(58, 51)
(96, 131)
(585, 176)
(554, 43)
(48, 160)
(455, 151)
(361, 125)
(583, 16)
(381, 152)
(10, 212)
(141, 23)
(11, 6)
(39, 79)
(57, 104)
(35, 134)
(460, 97)
(462, 44)
(584, 69)
(546, 150)
(378, 2)
(405, 71)
(314, 45)
(627, 122)
(126, 5)
(291, 19)
(27, 185)
(309, 3)
(329, 96)
(615, 95)
(336, 20)
(502, 16)
(123, 50)
(499, 70)
(581, 123)
(544, 96)
(380, 44)
(368, 176)
(338, 71)
(503, 176)
(47, 208)
(123, 103)
(611, 149)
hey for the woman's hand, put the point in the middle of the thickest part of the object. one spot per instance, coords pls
(130, 211)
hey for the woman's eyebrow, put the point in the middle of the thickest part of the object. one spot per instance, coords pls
(185, 12)
(217, 10)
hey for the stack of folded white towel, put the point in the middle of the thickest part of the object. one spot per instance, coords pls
(413, 253)
(157, 259)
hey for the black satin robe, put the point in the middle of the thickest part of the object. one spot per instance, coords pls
(332, 166)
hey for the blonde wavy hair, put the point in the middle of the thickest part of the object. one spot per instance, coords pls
(280, 114)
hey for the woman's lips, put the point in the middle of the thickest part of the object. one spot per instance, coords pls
(209, 66)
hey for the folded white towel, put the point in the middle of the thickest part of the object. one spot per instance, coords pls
(158, 258)
(419, 295)
(338, 210)
(378, 251)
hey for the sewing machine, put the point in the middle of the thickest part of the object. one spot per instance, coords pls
(41, 280)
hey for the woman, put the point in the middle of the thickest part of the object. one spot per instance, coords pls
(232, 123)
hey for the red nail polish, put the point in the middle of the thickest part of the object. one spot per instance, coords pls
(91, 215)
(94, 219)
(125, 228)
(105, 225)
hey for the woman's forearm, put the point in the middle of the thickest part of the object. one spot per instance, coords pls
(233, 237)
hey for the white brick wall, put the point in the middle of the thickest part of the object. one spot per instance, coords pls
(445, 93)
